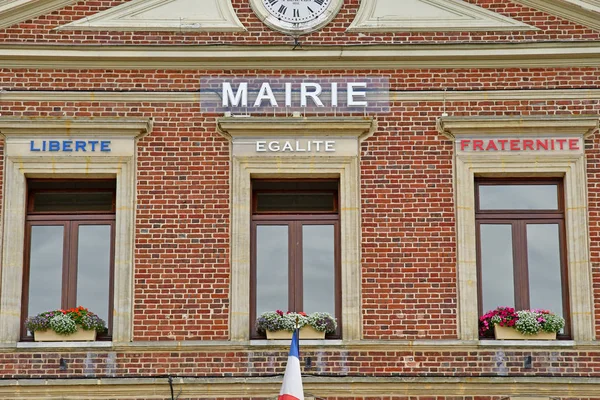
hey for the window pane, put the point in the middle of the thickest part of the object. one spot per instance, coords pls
(45, 268)
(543, 257)
(518, 197)
(271, 268)
(93, 268)
(318, 269)
(72, 201)
(307, 202)
(496, 266)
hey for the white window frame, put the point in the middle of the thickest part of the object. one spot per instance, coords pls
(570, 165)
(21, 164)
(247, 164)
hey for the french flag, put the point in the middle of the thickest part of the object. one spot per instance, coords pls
(292, 380)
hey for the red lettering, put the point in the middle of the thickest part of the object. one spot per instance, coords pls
(491, 145)
(573, 144)
(527, 144)
(562, 143)
(541, 144)
(478, 145)
(503, 143)
(514, 144)
(464, 144)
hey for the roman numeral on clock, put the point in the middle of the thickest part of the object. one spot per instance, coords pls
(319, 2)
(282, 9)
(272, 2)
(296, 13)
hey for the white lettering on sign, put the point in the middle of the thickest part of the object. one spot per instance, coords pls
(287, 93)
(265, 93)
(518, 144)
(295, 146)
(314, 93)
(241, 95)
(352, 93)
(356, 94)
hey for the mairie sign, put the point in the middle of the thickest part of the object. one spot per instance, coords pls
(269, 94)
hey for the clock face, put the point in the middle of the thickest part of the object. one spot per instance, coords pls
(296, 11)
(296, 17)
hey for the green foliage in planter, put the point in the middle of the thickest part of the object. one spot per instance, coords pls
(65, 322)
(288, 321)
(63, 325)
(527, 322)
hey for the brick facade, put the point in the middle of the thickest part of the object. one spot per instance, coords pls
(409, 285)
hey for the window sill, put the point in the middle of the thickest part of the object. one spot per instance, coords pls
(527, 343)
(63, 345)
(303, 342)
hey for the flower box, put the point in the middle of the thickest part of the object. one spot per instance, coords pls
(306, 332)
(508, 333)
(281, 325)
(509, 324)
(65, 325)
(50, 336)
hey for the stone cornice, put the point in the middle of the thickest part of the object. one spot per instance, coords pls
(21, 10)
(338, 386)
(576, 11)
(235, 127)
(194, 97)
(496, 56)
(584, 125)
(10, 126)
(309, 345)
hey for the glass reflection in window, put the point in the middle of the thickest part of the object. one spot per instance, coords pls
(272, 265)
(497, 266)
(518, 197)
(318, 268)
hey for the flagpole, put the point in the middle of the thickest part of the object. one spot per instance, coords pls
(291, 388)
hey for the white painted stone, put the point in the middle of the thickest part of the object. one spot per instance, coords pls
(163, 15)
(584, 12)
(16, 11)
(314, 146)
(430, 15)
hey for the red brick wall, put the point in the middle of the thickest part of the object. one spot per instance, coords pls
(408, 239)
(40, 30)
(408, 248)
(340, 363)
(400, 80)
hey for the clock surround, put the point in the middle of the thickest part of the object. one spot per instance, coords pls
(296, 17)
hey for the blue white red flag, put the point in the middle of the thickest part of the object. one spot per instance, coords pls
(292, 380)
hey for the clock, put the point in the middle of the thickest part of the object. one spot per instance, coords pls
(296, 17)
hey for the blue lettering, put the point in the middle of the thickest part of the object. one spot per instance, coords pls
(53, 145)
(70, 145)
(32, 146)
